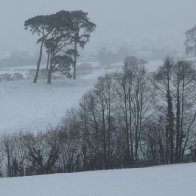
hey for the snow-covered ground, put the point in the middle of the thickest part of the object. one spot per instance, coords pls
(33, 107)
(25, 106)
(174, 180)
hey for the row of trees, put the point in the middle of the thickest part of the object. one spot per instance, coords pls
(61, 34)
(131, 118)
(190, 43)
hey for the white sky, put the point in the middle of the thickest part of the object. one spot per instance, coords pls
(134, 22)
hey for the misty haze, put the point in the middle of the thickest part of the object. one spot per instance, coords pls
(98, 97)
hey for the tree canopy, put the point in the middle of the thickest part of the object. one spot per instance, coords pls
(61, 35)
(190, 42)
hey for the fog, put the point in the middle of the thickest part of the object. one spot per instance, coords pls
(134, 23)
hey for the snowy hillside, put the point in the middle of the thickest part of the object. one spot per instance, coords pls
(174, 180)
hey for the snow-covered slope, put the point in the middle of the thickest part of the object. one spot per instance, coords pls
(174, 180)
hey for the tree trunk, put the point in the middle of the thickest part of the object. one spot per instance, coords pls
(195, 49)
(104, 139)
(170, 127)
(8, 164)
(130, 120)
(109, 124)
(38, 62)
(75, 60)
(49, 81)
(137, 119)
(182, 117)
(48, 62)
(177, 122)
(127, 125)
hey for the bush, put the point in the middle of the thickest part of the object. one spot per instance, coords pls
(5, 77)
(17, 76)
(10, 77)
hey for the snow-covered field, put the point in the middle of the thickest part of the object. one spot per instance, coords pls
(26, 106)
(32, 107)
(174, 180)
